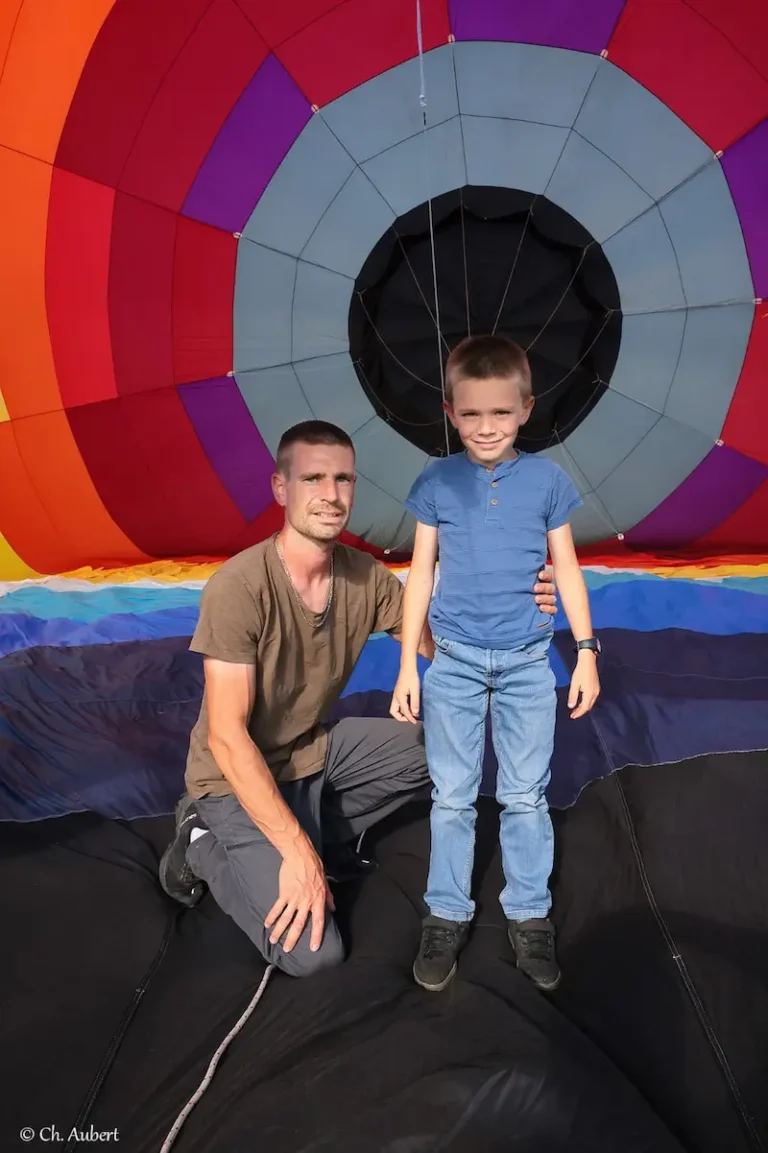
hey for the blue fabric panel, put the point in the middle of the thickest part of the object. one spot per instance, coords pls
(32, 617)
(105, 728)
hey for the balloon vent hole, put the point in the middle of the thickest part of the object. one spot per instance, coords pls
(507, 261)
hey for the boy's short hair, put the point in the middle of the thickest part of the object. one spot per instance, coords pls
(309, 432)
(481, 357)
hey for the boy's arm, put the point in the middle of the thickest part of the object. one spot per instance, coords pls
(570, 583)
(585, 683)
(418, 591)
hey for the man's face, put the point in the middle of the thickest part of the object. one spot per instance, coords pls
(318, 491)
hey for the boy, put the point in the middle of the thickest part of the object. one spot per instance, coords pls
(494, 512)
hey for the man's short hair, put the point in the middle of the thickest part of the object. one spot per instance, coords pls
(482, 357)
(309, 432)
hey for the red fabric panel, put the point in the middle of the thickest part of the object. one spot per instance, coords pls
(76, 277)
(153, 476)
(203, 298)
(137, 44)
(744, 23)
(746, 426)
(358, 40)
(276, 22)
(206, 80)
(140, 294)
(692, 67)
(747, 528)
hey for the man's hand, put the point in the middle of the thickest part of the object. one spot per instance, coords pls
(405, 699)
(585, 683)
(546, 593)
(302, 891)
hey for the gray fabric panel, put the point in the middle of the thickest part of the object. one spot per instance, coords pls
(713, 352)
(320, 312)
(522, 81)
(262, 311)
(385, 110)
(639, 132)
(388, 459)
(644, 265)
(648, 356)
(334, 392)
(352, 225)
(511, 153)
(707, 239)
(400, 174)
(301, 189)
(275, 401)
(591, 522)
(594, 190)
(377, 517)
(560, 455)
(660, 463)
(611, 431)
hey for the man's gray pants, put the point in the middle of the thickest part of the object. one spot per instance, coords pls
(372, 767)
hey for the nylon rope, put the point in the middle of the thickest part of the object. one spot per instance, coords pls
(176, 1127)
(423, 102)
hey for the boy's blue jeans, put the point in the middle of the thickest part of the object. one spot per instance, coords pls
(455, 697)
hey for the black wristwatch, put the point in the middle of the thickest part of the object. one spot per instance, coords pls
(592, 644)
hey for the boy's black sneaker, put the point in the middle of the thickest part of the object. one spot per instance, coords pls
(176, 877)
(441, 943)
(534, 945)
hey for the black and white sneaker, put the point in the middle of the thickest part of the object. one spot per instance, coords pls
(176, 877)
(441, 943)
(534, 945)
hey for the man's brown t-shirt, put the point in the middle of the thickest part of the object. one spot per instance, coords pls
(250, 614)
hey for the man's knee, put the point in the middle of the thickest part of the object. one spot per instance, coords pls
(302, 962)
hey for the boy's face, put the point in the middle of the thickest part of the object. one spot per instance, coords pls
(487, 415)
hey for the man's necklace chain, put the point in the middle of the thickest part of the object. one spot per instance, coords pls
(315, 620)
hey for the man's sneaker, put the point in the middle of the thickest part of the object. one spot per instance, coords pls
(534, 945)
(441, 943)
(176, 877)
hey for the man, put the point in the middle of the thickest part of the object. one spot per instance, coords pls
(276, 794)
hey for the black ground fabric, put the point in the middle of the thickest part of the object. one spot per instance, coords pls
(114, 1001)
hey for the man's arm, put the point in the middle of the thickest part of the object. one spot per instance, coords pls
(303, 888)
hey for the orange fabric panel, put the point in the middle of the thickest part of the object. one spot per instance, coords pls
(24, 522)
(9, 14)
(12, 567)
(29, 376)
(50, 43)
(77, 529)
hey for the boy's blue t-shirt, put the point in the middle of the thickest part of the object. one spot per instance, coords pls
(492, 536)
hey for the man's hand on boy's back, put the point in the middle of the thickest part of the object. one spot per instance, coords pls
(545, 592)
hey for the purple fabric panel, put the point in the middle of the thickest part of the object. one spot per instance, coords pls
(724, 480)
(250, 145)
(231, 441)
(583, 25)
(745, 165)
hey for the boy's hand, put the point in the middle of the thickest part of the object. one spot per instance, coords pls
(405, 699)
(585, 683)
